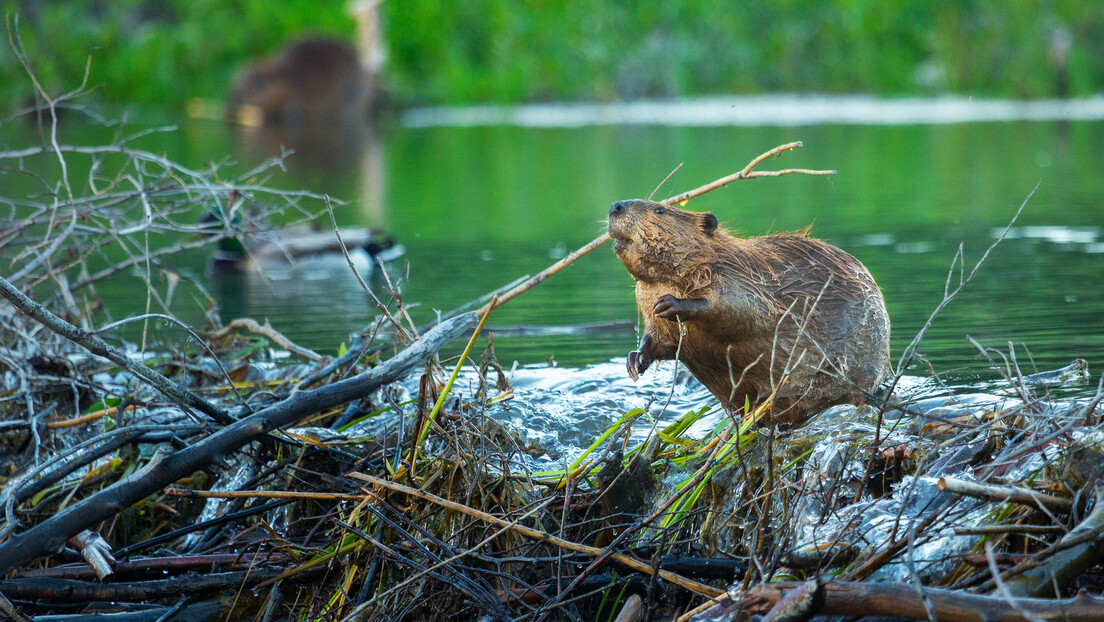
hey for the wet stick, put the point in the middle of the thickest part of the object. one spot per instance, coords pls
(50, 535)
(1013, 494)
(748, 172)
(484, 313)
(635, 564)
(849, 598)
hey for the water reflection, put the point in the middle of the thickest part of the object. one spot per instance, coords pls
(765, 111)
(325, 151)
(477, 207)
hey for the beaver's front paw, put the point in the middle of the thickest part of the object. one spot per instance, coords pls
(665, 307)
(670, 308)
(636, 363)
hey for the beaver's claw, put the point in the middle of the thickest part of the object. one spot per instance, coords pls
(665, 307)
(636, 363)
(679, 309)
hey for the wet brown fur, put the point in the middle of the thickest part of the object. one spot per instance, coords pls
(784, 311)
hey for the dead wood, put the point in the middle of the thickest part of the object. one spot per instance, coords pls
(68, 590)
(156, 565)
(33, 481)
(213, 610)
(893, 599)
(631, 611)
(704, 567)
(49, 536)
(1059, 566)
(266, 330)
(625, 560)
(207, 524)
(99, 347)
(9, 612)
(991, 492)
(96, 551)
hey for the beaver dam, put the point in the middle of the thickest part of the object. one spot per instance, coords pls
(155, 470)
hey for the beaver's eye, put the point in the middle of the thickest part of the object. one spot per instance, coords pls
(659, 209)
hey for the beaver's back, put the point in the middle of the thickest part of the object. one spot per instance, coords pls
(820, 332)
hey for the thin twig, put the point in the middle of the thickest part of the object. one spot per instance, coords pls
(633, 563)
(99, 347)
(406, 336)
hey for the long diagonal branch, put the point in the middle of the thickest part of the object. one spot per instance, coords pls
(101, 348)
(746, 173)
(51, 534)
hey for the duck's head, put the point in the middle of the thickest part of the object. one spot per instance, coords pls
(222, 222)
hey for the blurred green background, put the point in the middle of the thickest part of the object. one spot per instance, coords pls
(477, 207)
(162, 53)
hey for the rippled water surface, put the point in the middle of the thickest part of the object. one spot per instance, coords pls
(477, 206)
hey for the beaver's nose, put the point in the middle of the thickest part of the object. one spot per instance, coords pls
(617, 208)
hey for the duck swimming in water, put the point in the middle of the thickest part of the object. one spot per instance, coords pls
(255, 247)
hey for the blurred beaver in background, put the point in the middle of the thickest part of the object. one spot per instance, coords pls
(314, 81)
(784, 314)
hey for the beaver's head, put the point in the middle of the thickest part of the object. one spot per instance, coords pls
(657, 242)
(260, 95)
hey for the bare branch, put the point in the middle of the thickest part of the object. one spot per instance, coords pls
(99, 347)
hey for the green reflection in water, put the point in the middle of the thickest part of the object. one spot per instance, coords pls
(478, 207)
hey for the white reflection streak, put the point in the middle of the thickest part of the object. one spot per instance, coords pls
(764, 111)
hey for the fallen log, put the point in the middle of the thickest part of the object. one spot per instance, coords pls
(50, 535)
(70, 591)
(842, 598)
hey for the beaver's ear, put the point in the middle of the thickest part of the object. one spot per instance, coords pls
(708, 222)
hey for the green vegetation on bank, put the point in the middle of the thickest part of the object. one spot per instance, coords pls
(466, 51)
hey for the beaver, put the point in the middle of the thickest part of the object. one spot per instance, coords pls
(314, 81)
(785, 314)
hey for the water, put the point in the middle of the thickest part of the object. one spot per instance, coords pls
(477, 206)
(765, 110)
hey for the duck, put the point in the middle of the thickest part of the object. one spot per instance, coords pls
(254, 247)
